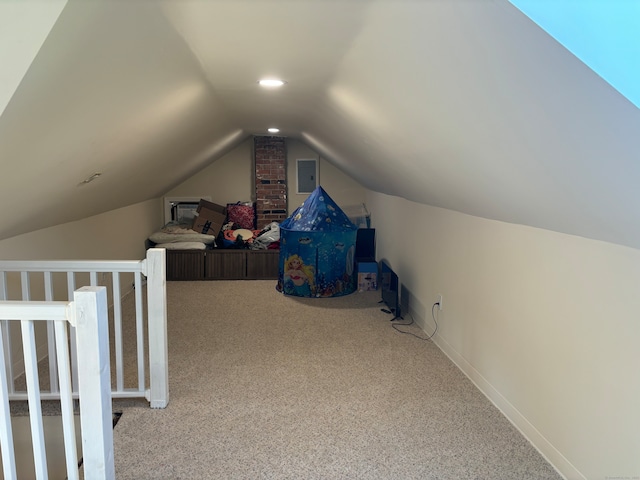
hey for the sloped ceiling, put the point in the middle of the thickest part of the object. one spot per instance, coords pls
(461, 104)
(24, 26)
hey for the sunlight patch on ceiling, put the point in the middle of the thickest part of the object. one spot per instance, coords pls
(355, 106)
(603, 34)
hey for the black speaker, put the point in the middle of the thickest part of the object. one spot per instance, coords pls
(366, 245)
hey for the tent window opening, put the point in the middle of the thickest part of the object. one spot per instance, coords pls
(307, 175)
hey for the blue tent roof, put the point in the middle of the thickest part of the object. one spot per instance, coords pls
(318, 213)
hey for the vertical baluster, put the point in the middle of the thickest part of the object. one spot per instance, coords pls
(5, 325)
(26, 287)
(51, 342)
(33, 391)
(26, 296)
(140, 331)
(6, 432)
(117, 325)
(66, 401)
(3, 286)
(73, 347)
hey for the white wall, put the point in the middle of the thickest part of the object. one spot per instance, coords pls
(115, 235)
(342, 188)
(230, 178)
(227, 180)
(546, 324)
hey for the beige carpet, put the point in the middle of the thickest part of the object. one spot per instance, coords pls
(265, 386)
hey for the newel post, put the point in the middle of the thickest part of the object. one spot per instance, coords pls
(94, 372)
(158, 343)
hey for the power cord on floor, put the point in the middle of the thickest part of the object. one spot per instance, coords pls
(433, 315)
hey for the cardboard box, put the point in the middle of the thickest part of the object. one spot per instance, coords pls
(367, 276)
(209, 218)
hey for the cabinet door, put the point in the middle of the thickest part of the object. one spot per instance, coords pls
(226, 265)
(262, 264)
(185, 264)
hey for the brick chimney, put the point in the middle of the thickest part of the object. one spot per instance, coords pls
(270, 158)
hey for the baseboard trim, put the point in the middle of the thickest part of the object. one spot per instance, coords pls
(539, 442)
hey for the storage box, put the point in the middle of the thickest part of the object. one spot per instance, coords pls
(367, 276)
(209, 218)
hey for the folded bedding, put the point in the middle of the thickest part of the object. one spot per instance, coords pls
(175, 232)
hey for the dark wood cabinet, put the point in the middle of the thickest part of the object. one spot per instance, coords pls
(222, 264)
(226, 265)
(185, 264)
(263, 264)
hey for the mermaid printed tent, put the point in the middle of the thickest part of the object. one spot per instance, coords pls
(317, 249)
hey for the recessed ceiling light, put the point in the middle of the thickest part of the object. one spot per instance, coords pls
(271, 82)
(273, 130)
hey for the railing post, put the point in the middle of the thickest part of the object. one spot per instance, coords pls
(157, 312)
(92, 331)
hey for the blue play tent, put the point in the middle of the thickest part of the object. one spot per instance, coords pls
(317, 250)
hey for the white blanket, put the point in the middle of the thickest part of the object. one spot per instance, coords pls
(174, 232)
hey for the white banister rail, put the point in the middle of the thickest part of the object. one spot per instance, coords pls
(57, 280)
(88, 314)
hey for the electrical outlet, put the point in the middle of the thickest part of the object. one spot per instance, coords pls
(439, 301)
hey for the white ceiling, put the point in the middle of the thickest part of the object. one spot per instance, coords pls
(462, 104)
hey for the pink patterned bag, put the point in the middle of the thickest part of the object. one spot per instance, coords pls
(243, 215)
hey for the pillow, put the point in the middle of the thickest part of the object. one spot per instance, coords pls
(243, 215)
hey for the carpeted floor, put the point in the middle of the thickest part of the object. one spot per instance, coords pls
(265, 386)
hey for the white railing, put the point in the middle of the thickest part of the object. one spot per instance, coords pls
(19, 278)
(87, 313)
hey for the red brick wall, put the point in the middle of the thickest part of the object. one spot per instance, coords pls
(271, 179)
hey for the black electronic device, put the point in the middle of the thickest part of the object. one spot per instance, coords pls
(390, 289)
(366, 245)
